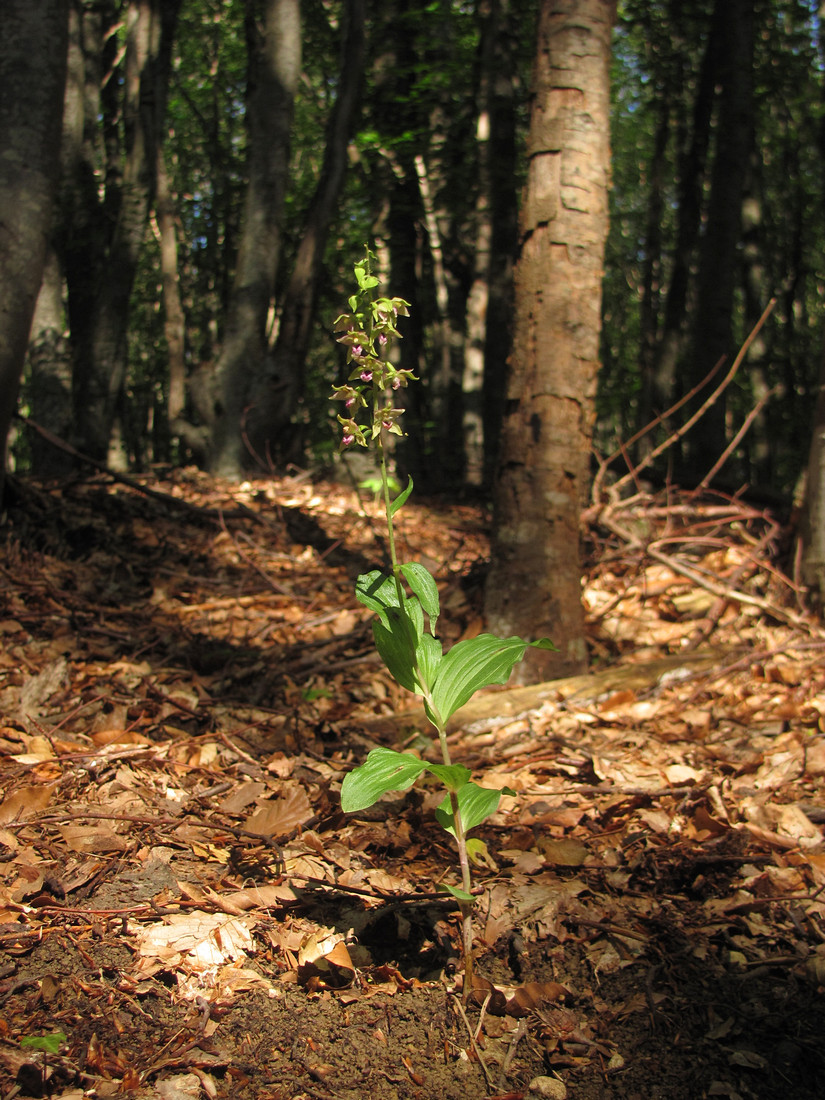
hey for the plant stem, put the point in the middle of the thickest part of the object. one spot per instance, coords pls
(465, 907)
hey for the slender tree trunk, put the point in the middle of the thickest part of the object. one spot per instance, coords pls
(33, 46)
(274, 44)
(504, 237)
(812, 524)
(276, 397)
(534, 586)
(478, 298)
(719, 259)
(174, 324)
(50, 371)
(692, 161)
(104, 251)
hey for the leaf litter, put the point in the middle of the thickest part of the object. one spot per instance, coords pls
(185, 679)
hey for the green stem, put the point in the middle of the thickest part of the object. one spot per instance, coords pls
(385, 484)
(465, 907)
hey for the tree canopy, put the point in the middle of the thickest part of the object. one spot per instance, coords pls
(159, 153)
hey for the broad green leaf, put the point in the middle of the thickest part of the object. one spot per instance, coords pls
(453, 776)
(476, 663)
(397, 643)
(475, 805)
(402, 497)
(423, 585)
(384, 770)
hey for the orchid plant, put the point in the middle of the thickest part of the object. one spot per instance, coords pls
(406, 605)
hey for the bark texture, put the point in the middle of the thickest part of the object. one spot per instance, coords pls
(720, 256)
(812, 520)
(534, 587)
(103, 239)
(281, 387)
(33, 48)
(274, 44)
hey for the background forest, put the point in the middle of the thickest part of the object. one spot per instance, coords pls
(186, 166)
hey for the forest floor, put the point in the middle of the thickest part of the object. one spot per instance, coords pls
(186, 677)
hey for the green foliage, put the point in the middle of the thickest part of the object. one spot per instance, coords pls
(49, 1044)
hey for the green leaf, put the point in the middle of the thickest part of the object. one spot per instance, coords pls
(48, 1043)
(377, 591)
(462, 895)
(476, 663)
(423, 584)
(478, 854)
(428, 658)
(384, 770)
(402, 498)
(397, 643)
(453, 776)
(475, 805)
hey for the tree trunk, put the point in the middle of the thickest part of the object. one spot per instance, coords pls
(274, 44)
(33, 47)
(504, 237)
(534, 586)
(50, 371)
(281, 388)
(812, 521)
(663, 390)
(104, 240)
(174, 322)
(720, 260)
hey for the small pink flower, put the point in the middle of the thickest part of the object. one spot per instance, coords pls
(349, 403)
(382, 338)
(346, 439)
(366, 376)
(396, 383)
(357, 351)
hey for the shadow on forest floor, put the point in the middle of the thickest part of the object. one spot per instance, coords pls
(183, 687)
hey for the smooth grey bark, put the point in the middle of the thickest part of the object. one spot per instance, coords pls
(274, 42)
(33, 46)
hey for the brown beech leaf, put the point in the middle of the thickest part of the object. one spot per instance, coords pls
(563, 852)
(283, 815)
(25, 803)
(535, 995)
(482, 989)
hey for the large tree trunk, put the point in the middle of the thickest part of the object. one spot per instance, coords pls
(274, 43)
(33, 48)
(534, 586)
